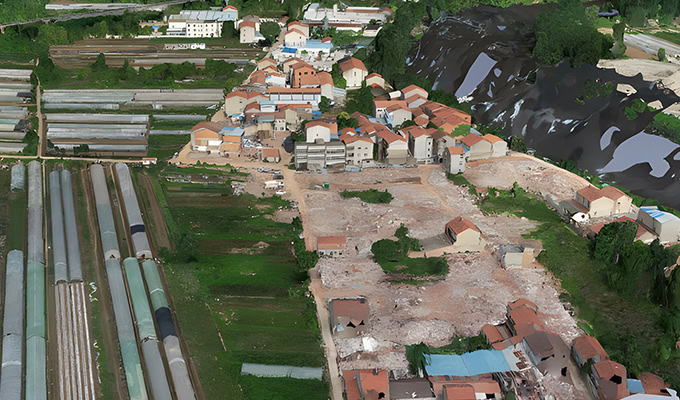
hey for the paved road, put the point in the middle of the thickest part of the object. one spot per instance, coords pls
(119, 11)
(651, 45)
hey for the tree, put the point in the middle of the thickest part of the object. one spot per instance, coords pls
(345, 121)
(228, 30)
(361, 100)
(661, 54)
(518, 144)
(612, 239)
(338, 80)
(619, 48)
(567, 32)
(99, 64)
(461, 130)
(324, 104)
(270, 31)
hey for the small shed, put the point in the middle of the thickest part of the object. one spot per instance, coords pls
(270, 155)
(516, 256)
(333, 246)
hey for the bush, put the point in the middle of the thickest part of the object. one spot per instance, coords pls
(369, 196)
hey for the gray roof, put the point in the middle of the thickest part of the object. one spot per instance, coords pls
(410, 388)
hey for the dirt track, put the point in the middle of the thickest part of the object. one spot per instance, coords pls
(160, 228)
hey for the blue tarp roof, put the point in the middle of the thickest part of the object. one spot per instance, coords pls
(316, 44)
(468, 364)
(289, 50)
(635, 386)
(659, 215)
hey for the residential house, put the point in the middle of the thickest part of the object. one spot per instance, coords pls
(267, 63)
(294, 38)
(359, 149)
(523, 319)
(205, 136)
(289, 63)
(397, 114)
(454, 160)
(318, 129)
(411, 389)
(354, 71)
(333, 246)
(319, 155)
(481, 386)
(179, 25)
(248, 32)
(516, 256)
(380, 107)
(420, 143)
(586, 348)
(392, 148)
(642, 234)
(375, 80)
(283, 95)
(416, 100)
(548, 352)
(664, 224)
(236, 102)
(303, 75)
(441, 140)
(413, 90)
(608, 380)
(461, 231)
(299, 26)
(653, 385)
(602, 202)
(366, 384)
(349, 317)
(270, 155)
(483, 147)
(326, 84)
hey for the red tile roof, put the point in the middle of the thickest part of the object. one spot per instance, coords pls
(279, 89)
(588, 347)
(266, 59)
(388, 103)
(332, 126)
(351, 308)
(347, 139)
(492, 334)
(211, 126)
(229, 8)
(351, 64)
(460, 224)
(389, 137)
(395, 107)
(612, 192)
(471, 139)
(455, 150)
(492, 138)
(296, 23)
(330, 242)
(325, 78)
(372, 384)
(606, 370)
(411, 88)
(326, 39)
(289, 31)
(244, 95)
(246, 24)
(522, 302)
(267, 153)
(459, 392)
(373, 75)
(653, 384)
(590, 193)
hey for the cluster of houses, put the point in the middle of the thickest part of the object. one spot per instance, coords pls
(368, 19)
(521, 351)
(591, 203)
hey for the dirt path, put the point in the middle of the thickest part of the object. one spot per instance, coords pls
(160, 227)
(329, 345)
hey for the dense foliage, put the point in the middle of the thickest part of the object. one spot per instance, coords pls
(568, 32)
(270, 30)
(666, 125)
(393, 256)
(360, 100)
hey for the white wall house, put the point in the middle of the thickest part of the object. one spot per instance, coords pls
(354, 71)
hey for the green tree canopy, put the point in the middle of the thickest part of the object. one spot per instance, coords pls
(270, 31)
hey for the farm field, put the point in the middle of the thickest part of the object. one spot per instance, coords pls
(164, 146)
(241, 299)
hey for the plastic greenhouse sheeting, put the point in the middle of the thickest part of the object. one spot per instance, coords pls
(58, 236)
(155, 371)
(10, 384)
(140, 304)
(75, 270)
(18, 177)
(35, 300)
(36, 380)
(153, 282)
(13, 319)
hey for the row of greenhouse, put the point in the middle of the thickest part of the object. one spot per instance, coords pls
(15, 91)
(105, 99)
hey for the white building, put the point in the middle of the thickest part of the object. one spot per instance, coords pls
(354, 71)
(350, 15)
(200, 23)
(283, 95)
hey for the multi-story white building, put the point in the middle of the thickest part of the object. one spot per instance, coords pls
(350, 15)
(200, 23)
(314, 156)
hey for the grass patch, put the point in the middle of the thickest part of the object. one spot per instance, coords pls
(393, 256)
(164, 146)
(673, 37)
(460, 345)
(459, 180)
(618, 322)
(369, 196)
(233, 305)
(17, 218)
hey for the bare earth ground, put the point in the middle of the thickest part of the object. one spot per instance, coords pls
(475, 291)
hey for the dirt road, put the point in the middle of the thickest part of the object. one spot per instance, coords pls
(159, 226)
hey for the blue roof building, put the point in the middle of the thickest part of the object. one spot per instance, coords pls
(664, 224)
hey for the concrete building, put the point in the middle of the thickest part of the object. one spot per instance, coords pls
(413, 90)
(289, 63)
(397, 114)
(585, 348)
(205, 136)
(359, 150)
(392, 148)
(294, 38)
(270, 155)
(478, 148)
(303, 75)
(375, 80)
(283, 95)
(326, 84)
(236, 102)
(466, 387)
(365, 384)
(349, 317)
(664, 224)
(463, 232)
(516, 256)
(454, 160)
(183, 27)
(411, 389)
(333, 246)
(320, 155)
(608, 380)
(420, 143)
(354, 71)
(548, 352)
(380, 107)
(249, 32)
(602, 202)
(318, 129)
(299, 26)
(359, 15)
(266, 63)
